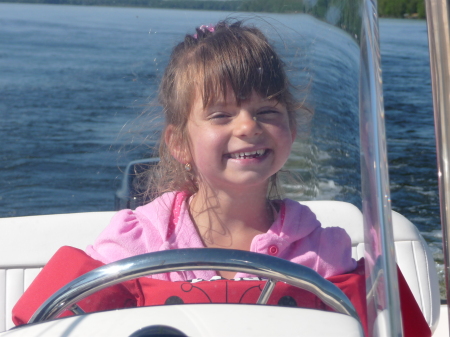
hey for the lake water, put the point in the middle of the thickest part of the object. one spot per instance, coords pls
(74, 82)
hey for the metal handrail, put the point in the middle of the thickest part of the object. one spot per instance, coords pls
(438, 12)
(265, 266)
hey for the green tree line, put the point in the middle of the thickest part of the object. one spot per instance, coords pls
(386, 8)
(401, 8)
(181, 4)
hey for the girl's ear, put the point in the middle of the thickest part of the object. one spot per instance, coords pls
(177, 149)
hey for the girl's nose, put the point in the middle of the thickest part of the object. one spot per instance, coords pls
(247, 126)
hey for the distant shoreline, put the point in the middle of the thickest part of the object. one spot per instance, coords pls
(218, 5)
(416, 9)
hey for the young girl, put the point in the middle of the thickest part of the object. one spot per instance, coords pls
(230, 125)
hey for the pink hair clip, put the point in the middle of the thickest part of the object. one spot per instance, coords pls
(204, 28)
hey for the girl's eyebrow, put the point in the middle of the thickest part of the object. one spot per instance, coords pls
(220, 104)
(271, 103)
(272, 100)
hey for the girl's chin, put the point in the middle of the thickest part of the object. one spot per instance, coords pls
(243, 182)
(248, 182)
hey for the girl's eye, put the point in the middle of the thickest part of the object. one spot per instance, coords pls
(268, 114)
(218, 117)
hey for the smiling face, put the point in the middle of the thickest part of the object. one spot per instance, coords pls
(237, 62)
(238, 146)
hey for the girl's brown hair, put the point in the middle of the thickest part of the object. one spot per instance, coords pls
(228, 56)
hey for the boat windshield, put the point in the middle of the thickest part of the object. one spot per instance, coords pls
(90, 109)
(341, 65)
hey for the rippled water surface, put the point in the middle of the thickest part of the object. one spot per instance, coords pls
(409, 125)
(74, 81)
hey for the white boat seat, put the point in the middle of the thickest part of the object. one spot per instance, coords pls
(27, 243)
(413, 255)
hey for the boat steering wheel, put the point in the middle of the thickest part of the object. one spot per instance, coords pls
(272, 268)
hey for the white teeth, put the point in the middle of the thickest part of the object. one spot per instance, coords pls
(243, 155)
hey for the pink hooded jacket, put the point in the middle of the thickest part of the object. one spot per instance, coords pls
(296, 235)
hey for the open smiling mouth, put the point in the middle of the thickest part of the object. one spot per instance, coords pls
(248, 155)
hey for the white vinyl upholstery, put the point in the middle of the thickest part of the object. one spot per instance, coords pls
(414, 258)
(27, 243)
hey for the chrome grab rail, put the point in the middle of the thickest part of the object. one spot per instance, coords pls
(438, 23)
(272, 268)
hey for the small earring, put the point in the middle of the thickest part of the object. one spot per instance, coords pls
(187, 167)
(255, 118)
